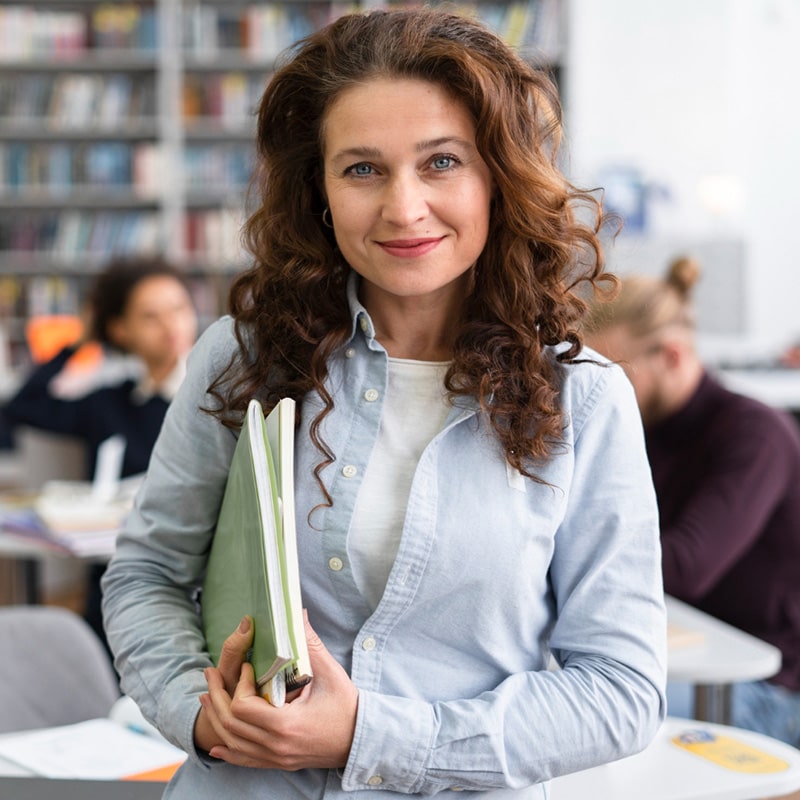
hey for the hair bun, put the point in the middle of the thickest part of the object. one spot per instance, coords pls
(683, 273)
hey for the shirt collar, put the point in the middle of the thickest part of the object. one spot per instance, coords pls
(146, 388)
(361, 318)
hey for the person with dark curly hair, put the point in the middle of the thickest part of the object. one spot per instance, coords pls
(138, 306)
(473, 496)
(141, 307)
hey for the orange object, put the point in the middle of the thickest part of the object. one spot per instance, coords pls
(160, 774)
(48, 335)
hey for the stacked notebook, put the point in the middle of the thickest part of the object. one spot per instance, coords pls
(253, 565)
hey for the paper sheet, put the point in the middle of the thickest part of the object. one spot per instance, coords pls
(96, 749)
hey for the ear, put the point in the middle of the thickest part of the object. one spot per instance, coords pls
(117, 332)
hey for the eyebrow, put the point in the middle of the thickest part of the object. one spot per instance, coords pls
(420, 147)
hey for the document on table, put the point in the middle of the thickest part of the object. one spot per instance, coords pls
(95, 749)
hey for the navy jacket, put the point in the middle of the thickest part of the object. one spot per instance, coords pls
(94, 417)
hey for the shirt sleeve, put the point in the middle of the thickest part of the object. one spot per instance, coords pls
(35, 405)
(727, 511)
(149, 588)
(609, 638)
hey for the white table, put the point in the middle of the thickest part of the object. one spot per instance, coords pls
(664, 771)
(721, 656)
(775, 387)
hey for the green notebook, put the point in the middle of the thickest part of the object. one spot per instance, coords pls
(253, 566)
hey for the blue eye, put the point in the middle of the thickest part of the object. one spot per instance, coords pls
(361, 169)
(443, 162)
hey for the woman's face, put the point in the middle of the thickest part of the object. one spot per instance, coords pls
(408, 192)
(159, 323)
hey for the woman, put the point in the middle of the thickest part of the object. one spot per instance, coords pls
(458, 515)
(727, 476)
(141, 307)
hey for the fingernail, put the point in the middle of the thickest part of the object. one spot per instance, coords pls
(244, 625)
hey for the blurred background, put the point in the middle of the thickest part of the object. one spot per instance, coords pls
(683, 111)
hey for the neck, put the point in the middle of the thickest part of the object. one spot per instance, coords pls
(413, 327)
(159, 372)
(417, 336)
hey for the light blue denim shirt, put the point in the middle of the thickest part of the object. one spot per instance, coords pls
(494, 572)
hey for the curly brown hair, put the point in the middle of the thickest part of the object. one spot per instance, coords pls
(543, 238)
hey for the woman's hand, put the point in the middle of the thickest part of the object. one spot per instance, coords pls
(231, 658)
(313, 730)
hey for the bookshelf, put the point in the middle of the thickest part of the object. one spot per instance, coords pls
(128, 127)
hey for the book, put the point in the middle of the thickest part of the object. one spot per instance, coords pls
(82, 518)
(122, 746)
(253, 565)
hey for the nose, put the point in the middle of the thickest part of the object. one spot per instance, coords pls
(405, 200)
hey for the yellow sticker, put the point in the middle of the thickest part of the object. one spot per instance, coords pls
(728, 752)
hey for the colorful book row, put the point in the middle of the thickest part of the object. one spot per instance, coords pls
(59, 168)
(71, 237)
(75, 239)
(230, 97)
(259, 31)
(27, 32)
(22, 297)
(75, 100)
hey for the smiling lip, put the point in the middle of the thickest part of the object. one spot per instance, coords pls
(410, 248)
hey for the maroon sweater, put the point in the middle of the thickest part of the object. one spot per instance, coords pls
(727, 475)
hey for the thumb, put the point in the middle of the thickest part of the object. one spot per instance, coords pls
(324, 665)
(234, 653)
(313, 641)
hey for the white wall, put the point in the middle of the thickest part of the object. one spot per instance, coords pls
(701, 97)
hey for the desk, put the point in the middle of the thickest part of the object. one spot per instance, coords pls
(25, 556)
(664, 771)
(52, 789)
(775, 387)
(723, 655)
(24, 545)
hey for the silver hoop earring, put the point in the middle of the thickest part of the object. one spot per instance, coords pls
(327, 220)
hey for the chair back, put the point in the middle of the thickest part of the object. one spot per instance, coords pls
(54, 670)
(45, 456)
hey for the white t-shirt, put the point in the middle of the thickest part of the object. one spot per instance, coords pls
(414, 411)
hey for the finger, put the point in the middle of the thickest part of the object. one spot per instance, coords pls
(246, 687)
(234, 653)
(237, 719)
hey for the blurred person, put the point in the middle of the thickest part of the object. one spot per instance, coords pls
(727, 475)
(141, 307)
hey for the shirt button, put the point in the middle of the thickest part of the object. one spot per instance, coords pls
(368, 644)
(349, 471)
(350, 352)
(335, 564)
(375, 780)
(371, 395)
(364, 324)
